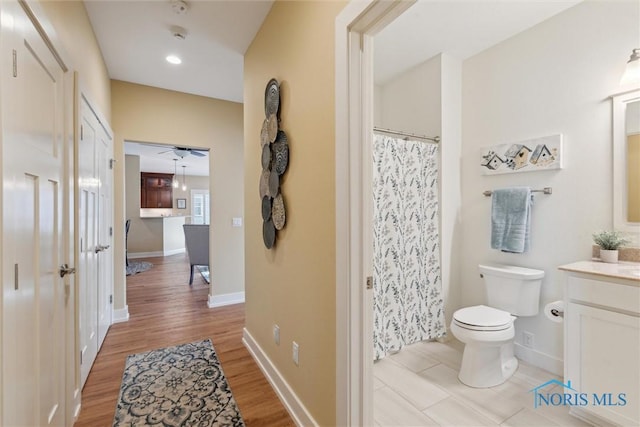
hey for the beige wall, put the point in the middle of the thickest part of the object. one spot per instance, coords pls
(143, 113)
(293, 284)
(73, 28)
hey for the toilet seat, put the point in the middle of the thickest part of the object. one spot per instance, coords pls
(483, 318)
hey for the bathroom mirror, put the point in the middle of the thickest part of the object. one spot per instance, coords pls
(626, 162)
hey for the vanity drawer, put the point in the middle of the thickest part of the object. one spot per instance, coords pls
(607, 294)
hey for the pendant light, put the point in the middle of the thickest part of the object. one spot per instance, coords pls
(632, 72)
(175, 183)
(184, 179)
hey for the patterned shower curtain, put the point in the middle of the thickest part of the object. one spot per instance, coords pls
(407, 291)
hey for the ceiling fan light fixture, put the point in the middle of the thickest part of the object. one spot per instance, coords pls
(173, 59)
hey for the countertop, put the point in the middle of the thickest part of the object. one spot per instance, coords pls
(621, 270)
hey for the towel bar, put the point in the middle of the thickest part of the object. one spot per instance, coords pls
(545, 190)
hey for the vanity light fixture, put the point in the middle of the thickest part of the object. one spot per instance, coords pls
(632, 72)
(184, 179)
(175, 183)
(172, 59)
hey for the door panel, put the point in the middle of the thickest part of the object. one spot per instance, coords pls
(105, 264)
(33, 306)
(88, 262)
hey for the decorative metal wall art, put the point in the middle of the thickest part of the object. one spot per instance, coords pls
(274, 159)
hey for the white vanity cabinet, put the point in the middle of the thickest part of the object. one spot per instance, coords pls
(602, 342)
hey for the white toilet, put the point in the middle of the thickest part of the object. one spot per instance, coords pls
(488, 332)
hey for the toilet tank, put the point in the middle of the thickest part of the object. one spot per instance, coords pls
(512, 289)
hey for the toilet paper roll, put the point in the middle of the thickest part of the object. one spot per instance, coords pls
(554, 311)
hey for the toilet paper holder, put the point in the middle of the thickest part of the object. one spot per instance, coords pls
(557, 313)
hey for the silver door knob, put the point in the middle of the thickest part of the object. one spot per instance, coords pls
(65, 269)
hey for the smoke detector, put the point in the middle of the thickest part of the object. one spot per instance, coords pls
(179, 7)
(178, 32)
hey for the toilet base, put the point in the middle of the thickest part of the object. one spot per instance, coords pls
(487, 366)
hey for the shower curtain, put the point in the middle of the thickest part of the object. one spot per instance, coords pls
(408, 304)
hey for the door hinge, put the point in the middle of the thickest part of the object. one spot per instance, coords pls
(81, 357)
(16, 277)
(81, 132)
(15, 63)
(110, 231)
(369, 282)
(111, 163)
(110, 299)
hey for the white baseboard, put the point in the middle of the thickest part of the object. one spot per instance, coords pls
(174, 252)
(287, 396)
(225, 299)
(120, 315)
(539, 359)
(135, 255)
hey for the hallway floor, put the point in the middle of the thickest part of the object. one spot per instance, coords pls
(164, 310)
(419, 386)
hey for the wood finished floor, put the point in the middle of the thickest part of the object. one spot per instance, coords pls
(164, 310)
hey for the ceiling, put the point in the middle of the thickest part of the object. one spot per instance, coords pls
(135, 38)
(458, 27)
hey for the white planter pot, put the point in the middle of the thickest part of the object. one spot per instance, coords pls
(609, 256)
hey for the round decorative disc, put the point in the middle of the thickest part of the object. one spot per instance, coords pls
(280, 150)
(274, 184)
(264, 183)
(272, 98)
(268, 234)
(264, 132)
(266, 156)
(272, 127)
(266, 208)
(278, 212)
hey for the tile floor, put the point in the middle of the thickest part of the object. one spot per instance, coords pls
(419, 386)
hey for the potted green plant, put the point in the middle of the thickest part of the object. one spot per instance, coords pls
(609, 242)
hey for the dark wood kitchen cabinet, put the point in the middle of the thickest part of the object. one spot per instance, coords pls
(156, 190)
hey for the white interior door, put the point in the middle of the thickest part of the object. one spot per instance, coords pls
(87, 232)
(105, 234)
(95, 233)
(33, 303)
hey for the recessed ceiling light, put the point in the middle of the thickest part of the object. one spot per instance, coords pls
(172, 59)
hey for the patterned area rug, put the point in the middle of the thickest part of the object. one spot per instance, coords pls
(136, 267)
(176, 386)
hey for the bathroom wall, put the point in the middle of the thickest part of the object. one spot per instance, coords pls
(553, 78)
(426, 100)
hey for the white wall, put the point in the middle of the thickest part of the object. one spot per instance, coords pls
(411, 101)
(554, 78)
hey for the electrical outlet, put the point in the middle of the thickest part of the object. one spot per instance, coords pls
(527, 339)
(276, 334)
(296, 349)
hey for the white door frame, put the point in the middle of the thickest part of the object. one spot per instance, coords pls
(355, 27)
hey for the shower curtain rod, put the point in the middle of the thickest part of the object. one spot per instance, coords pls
(435, 139)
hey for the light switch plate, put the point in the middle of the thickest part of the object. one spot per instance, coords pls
(237, 222)
(296, 350)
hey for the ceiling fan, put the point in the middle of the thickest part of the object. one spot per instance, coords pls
(183, 152)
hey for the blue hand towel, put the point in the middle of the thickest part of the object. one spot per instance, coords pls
(511, 219)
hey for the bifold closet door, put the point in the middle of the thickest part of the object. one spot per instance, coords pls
(95, 234)
(33, 297)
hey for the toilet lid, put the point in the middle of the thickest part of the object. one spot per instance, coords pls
(483, 316)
